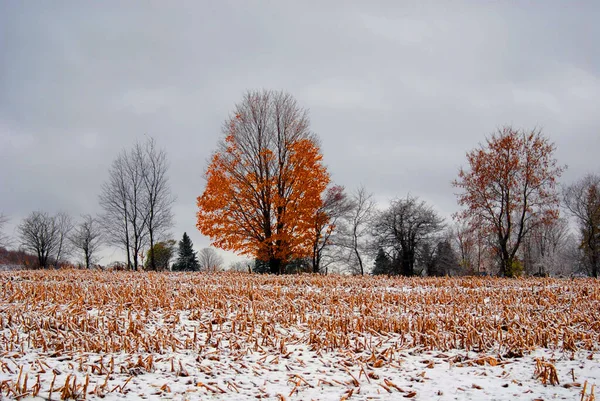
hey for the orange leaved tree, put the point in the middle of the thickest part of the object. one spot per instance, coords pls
(510, 188)
(264, 182)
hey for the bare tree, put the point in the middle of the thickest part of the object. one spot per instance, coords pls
(404, 228)
(209, 260)
(355, 230)
(543, 245)
(462, 237)
(158, 195)
(4, 240)
(136, 167)
(335, 205)
(473, 245)
(38, 233)
(64, 225)
(137, 201)
(582, 199)
(114, 200)
(87, 238)
(571, 259)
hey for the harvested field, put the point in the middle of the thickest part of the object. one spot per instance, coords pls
(118, 335)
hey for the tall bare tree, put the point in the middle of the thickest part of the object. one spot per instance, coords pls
(64, 225)
(159, 199)
(582, 199)
(137, 200)
(87, 238)
(38, 233)
(114, 200)
(355, 229)
(136, 168)
(209, 260)
(404, 228)
(335, 205)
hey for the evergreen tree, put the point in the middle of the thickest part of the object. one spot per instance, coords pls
(383, 264)
(186, 259)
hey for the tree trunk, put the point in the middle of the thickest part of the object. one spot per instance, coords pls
(316, 262)
(275, 265)
(360, 263)
(406, 265)
(152, 261)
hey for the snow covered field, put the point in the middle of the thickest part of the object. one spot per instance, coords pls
(119, 335)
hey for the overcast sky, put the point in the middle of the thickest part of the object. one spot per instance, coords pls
(398, 91)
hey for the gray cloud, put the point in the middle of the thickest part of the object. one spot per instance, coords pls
(398, 92)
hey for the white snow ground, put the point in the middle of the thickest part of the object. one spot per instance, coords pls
(302, 374)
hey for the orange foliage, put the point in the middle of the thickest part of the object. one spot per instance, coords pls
(263, 192)
(510, 187)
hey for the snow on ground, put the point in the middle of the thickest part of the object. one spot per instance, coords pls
(306, 375)
(149, 352)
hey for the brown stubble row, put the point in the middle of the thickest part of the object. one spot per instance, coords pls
(60, 311)
(370, 321)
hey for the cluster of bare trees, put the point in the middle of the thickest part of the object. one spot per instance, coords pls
(342, 231)
(410, 238)
(209, 260)
(44, 236)
(55, 238)
(407, 233)
(549, 249)
(136, 202)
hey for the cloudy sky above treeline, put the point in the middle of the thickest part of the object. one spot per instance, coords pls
(398, 91)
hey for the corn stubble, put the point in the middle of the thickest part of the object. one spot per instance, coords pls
(86, 318)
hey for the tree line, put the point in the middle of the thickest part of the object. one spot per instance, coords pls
(136, 203)
(269, 196)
